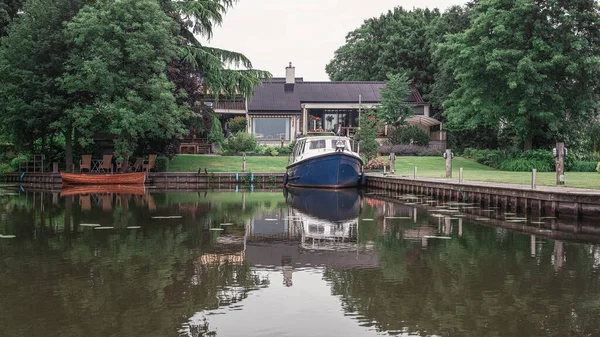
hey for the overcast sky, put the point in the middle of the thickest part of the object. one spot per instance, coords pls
(273, 33)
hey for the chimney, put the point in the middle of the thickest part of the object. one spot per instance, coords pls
(290, 74)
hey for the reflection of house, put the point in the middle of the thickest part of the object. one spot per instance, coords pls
(282, 108)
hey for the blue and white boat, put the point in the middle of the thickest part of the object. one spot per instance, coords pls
(324, 162)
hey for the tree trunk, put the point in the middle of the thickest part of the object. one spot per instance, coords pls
(69, 148)
(528, 145)
(594, 152)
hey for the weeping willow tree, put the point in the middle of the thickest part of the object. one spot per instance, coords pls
(200, 69)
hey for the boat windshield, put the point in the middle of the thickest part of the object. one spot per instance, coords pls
(317, 144)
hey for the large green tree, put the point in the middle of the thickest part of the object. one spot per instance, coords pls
(396, 42)
(528, 67)
(32, 58)
(9, 9)
(119, 53)
(393, 109)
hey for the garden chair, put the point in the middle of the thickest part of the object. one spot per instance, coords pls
(85, 202)
(85, 163)
(123, 166)
(137, 166)
(149, 164)
(106, 165)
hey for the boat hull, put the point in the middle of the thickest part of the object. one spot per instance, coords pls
(330, 170)
(103, 179)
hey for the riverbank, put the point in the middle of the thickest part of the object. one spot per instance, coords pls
(427, 167)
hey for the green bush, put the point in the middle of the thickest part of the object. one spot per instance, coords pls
(408, 150)
(406, 134)
(598, 168)
(367, 135)
(162, 164)
(274, 153)
(525, 165)
(491, 158)
(216, 131)
(20, 159)
(584, 166)
(240, 142)
(237, 124)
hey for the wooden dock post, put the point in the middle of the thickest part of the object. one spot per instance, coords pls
(559, 153)
(533, 178)
(448, 156)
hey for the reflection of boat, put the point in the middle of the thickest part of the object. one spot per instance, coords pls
(102, 189)
(103, 179)
(324, 161)
(332, 205)
(329, 218)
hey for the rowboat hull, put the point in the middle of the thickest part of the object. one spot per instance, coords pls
(134, 189)
(103, 179)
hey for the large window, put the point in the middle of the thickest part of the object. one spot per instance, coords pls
(265, 129)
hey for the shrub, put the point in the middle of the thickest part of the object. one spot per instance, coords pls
(375, 164)
(491, 158)
(274, 153)
(584, 166)
(406, 134)
(408, 150)
(216, 131)
(20, 159)
(237, 124)
(525, 165)
(161, 164)
(367, 134)
(598, 168)
(239, 142)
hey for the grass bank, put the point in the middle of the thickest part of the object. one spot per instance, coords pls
(430, 167)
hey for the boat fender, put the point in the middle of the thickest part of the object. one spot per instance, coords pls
(22, 175)
(362, 179)
(285, 179)
(236, 177)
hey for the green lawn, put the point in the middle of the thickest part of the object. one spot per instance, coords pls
(191, 163)
(431, 167)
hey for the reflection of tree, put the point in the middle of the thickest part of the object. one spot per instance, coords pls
(474, 286)
(119, 282)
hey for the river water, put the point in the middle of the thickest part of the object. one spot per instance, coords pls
(304, 263)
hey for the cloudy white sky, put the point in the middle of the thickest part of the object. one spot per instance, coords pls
(273, 33)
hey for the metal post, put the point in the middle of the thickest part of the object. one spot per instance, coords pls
(533, 178)
(448, 163)
(415, 173)
(244, 163)
(460, 176)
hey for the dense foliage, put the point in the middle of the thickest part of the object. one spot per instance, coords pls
(240, 142)
(237, 124)
(393, 110)
(408, 150)
(133, 71)
(500, 73)
(410, 134)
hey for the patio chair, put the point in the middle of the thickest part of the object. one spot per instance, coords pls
(149, 164)
(85, 163)
(139, 163)
(123, 166)
(85, 202)
(106, 165)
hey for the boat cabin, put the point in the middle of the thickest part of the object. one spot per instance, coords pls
(308, 147)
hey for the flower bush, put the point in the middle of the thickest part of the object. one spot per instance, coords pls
(375, 164)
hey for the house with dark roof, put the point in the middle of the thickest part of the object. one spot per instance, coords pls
(281, 109)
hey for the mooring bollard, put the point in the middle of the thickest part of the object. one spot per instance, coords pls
(244, 163)
(460, 175)
(533, 178)
(415, 173)
(392, 158)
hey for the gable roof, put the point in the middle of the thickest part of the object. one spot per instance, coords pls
(277, 96)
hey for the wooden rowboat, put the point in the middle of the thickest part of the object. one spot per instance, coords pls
(135, 189)
(103, 179)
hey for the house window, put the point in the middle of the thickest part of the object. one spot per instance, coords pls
(271, 128)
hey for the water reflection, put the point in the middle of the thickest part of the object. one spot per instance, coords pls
(318, 263)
